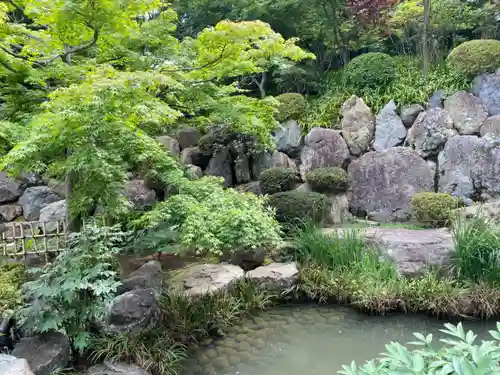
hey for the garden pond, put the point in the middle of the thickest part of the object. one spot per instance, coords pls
(310, 339)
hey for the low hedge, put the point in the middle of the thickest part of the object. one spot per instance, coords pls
(370, 70)
(292, 106)
(475, 57)
(328, 180)
(295, 207)
(434, 209)
(276, 180)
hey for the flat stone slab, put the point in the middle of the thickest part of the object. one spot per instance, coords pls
(412, 251)
(275, 277)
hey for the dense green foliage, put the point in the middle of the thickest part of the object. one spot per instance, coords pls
(434, 209)
(276, 180)
(11, 278)
(292, 106)
(370, 70)
(475, 57)
(72, 293)
(294, 207)
(328, 180)
(459, 355)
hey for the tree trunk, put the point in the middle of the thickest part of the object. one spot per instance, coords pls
(425, 41)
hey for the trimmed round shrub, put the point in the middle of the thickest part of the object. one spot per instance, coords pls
(434, 209)
(328, 180)
(295, 207)
(370, 70)
(276, 180)
(292, 106)
(475, 57)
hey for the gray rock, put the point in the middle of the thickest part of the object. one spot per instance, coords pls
(436, 100)
(34, 199)
(386, 181)
(339, 213)
(389, 129)
(491, 126)
(323, 148)
(10, 365)
(358, 125)
(10, 189)
(132, 311)
(430, 131)
(289, 138)
(247, 259)
(489, 210)
(139, 194)
(9, 212)
(58, 186)
(485, 169)
(148, 276)
(188, 137)
(275, 277)
(204, 279)
(251, 187)
(466, 111)
(487, 88)
(194, 156)
(410, 113)
(170, 144)
(194, 172)
(220, 165)
(241, 162)
(53, 214)
(115, 368)
(263, 161)
(45, 353)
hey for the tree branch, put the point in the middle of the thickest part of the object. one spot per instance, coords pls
(208, 64)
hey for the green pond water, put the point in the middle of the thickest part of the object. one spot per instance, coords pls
(309, 340)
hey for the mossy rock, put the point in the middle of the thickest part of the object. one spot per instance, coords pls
(475, 57)
(296, 207)
(292, 106)
(328, 180)
(276, 180)
(434, 209)
(370, 70)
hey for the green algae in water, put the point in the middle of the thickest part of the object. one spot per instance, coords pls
(312, 340)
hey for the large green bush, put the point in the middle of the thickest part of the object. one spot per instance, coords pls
(459, 355)
(475, 57)
(294, 207)
(370, 70)
(276, 180)
(435, 209)
(292, 106)
(328, 180)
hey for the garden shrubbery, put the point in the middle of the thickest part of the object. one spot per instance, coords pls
(475, 57)
(292, 107)
(12, 275)
(328, 180)
(277, 180)
(434, 209)
(370, 70)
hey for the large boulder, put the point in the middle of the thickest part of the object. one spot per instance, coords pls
(9, 212)
(45, 353)
(10, 365)
(10, 189)
(430, 131)
(491, 126)
(410, 113)
(358, 125)
(139, 194)
(204, 279)
(188, 137)
(489, 210)
(132, 311)
(289, 138)
(466, 111)
(115, 368)
(247, 259)
(265, 160)
(436, 99)
(220, 165)
(487, 88)
(241, 162)
(53, 214)
(386, 181)
(194, 156)
(148, 276)
(34, 199)
(251, 187)
(389, 129)
(275, 277)
(323, 148)
(339, 213)
(194, 172)
(170, 144)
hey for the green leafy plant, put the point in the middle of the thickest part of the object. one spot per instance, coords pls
(12, 275)
(434, 209)
(276, 180)
(291, 107)
(328, 180)
(475, 57)
(459, 355)
(370, 70)
(73, 292)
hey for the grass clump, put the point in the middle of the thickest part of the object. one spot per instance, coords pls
(328, 180)
(291, 106)
(276, 180)
(370, 70)
(434, 209)
(475, 57)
